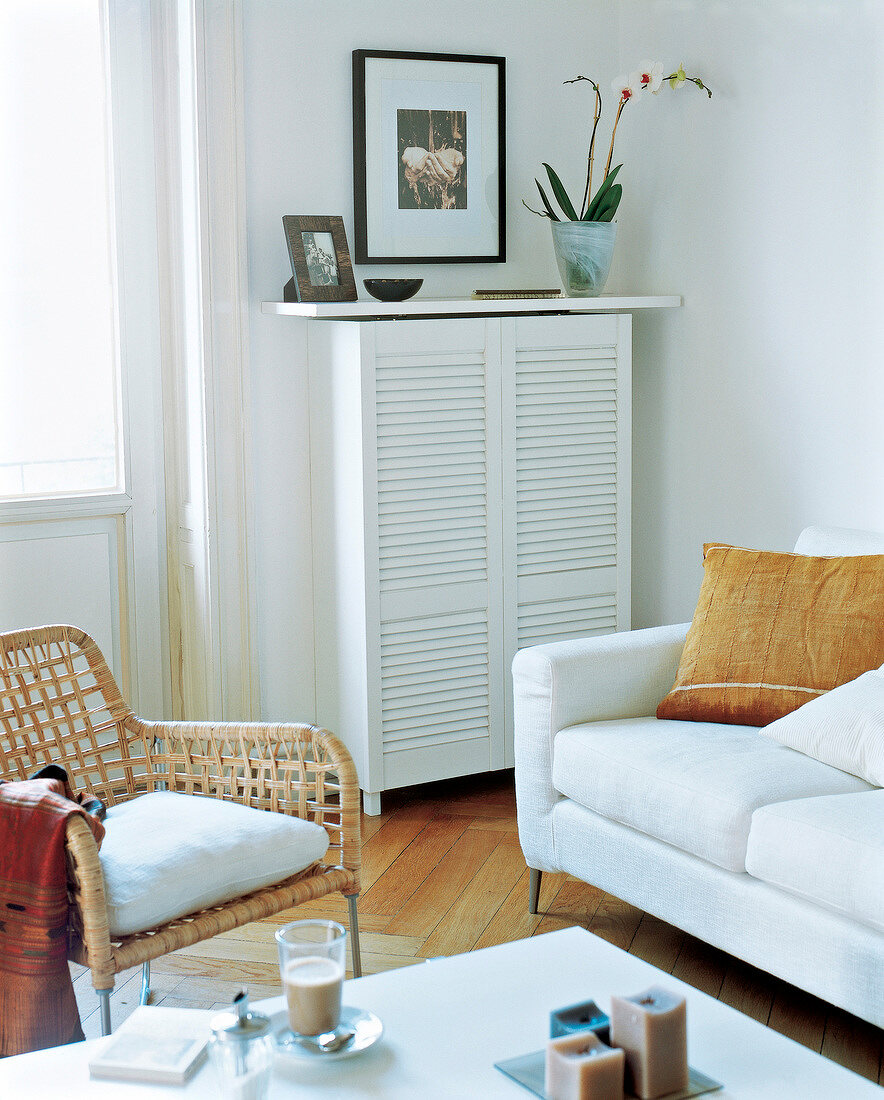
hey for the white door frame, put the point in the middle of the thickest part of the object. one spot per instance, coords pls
(206, 391)
(138, 313)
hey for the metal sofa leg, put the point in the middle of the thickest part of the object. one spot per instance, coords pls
(104, 1002)
(145, 983)
(533, 889)
(354, 935)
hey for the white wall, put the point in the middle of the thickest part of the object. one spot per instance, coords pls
(759, 406)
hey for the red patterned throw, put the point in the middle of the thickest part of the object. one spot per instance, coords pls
(37, 1004)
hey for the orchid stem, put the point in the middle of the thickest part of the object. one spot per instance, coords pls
(623, 103)
(595, 126)
(598, 114)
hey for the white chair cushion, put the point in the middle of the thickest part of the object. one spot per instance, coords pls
(166, 855)
(827, 850)
(844, 727)
(692, 784)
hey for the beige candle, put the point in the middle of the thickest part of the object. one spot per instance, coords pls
(581, 1067)
(651, 1028)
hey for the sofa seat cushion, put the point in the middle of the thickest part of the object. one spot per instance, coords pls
(692, 784)
(827, 850)
(165, 855)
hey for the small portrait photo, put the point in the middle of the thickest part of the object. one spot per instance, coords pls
(322, 265)
(320, 259)
(432, 153)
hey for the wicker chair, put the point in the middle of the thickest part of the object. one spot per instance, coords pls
(59, 704)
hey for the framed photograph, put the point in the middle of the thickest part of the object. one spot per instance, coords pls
(321, 268)
(429, 158)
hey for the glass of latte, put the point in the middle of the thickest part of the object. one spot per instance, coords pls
(311, 965)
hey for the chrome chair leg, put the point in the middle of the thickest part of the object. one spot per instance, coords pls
(145, 983)
(354, 935)
(533, 889)
(104, 1004)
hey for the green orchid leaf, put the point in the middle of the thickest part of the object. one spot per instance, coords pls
(610, 203)
(550, 213)
(561, 194)
(595, 206)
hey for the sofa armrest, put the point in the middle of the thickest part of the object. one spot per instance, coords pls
(566, 683)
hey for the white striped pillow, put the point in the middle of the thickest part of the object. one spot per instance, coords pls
(843, 728)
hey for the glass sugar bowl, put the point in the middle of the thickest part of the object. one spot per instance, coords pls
(241, 1049)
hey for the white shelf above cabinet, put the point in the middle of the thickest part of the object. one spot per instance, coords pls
(464, 307)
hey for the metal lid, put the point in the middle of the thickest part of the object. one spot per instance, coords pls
(240, 1025)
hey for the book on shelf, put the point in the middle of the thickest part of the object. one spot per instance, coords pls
(500, 295)
(164, 1045)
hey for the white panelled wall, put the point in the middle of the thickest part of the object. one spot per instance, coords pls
(758, 408)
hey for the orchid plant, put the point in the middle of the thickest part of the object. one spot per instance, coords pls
(648, 79)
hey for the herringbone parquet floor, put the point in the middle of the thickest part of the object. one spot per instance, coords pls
(443, 873)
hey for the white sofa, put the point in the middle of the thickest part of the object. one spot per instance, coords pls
(748, 845)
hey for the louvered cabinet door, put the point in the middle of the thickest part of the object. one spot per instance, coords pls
(437, 706)
(567, 440)
(470, 483)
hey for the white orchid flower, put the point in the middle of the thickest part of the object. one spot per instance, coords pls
(626, 87)
(650, 75)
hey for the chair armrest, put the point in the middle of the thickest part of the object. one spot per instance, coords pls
(88, 927)
(300, 770)
(566, 683)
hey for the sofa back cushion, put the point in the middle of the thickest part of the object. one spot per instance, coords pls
(826, 542)
(773, 631)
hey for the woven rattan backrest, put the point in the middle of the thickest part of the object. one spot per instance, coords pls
(59, 704)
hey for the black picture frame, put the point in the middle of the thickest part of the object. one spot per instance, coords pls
(404, 199)
(320, 259)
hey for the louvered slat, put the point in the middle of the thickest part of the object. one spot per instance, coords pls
(566, 473)
(558, 620)
(434, 672)
(431, 470)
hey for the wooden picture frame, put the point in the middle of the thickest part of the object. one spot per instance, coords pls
(429, 157)
(321, 268)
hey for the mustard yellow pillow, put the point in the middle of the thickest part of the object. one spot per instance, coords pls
(773, 631)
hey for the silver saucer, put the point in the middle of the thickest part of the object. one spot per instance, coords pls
(366, 1028)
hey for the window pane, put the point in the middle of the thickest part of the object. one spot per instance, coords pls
(58, 364)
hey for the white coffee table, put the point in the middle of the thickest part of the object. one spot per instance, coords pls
(448, 1021)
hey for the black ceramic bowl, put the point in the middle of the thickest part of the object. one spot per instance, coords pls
(392, 290)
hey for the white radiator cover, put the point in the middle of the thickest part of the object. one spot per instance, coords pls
(470, 496)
